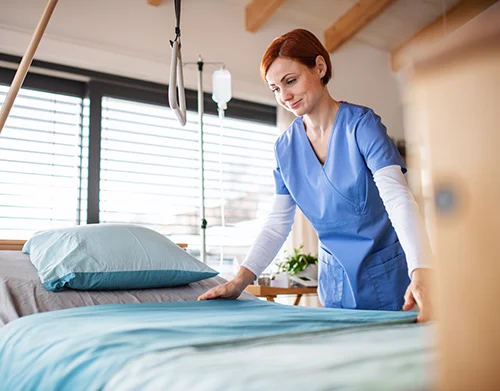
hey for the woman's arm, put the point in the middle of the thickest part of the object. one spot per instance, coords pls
(408, 224)
(273, 234)
(404, 215)
(266, 246)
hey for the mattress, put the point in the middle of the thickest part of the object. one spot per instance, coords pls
(21, 292)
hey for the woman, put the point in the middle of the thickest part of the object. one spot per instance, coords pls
(337, 163)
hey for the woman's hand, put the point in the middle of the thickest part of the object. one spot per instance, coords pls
(418, 292)
(231, 289)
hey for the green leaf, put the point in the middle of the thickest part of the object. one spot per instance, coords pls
(297, 262)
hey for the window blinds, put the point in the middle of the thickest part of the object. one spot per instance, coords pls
(43, 149)
(150, 174)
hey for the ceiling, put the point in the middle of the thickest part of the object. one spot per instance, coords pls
(130, 37)
(394, 25)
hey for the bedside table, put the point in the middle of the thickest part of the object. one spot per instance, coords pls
(270, 292)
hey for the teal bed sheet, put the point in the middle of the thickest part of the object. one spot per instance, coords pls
(381, 358)
(87, 348)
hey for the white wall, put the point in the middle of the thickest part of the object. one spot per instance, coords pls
(130, 38)
(362, 75)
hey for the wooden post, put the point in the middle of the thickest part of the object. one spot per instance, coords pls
(24, 66)
(454, 100)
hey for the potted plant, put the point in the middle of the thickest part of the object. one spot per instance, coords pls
(299, 264)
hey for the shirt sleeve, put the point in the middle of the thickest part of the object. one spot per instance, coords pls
(404, 215)
(278, 178)
(272, 236)
(375, 145)
(280, 185)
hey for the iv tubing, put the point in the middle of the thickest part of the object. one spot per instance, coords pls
(222, 216)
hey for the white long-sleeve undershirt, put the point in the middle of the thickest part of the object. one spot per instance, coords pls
(273, 234)
(404, 215)
(398, 201)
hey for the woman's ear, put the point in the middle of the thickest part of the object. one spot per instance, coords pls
(321, 66)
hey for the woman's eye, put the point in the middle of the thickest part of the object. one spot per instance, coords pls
(275, 90)
(291, 81)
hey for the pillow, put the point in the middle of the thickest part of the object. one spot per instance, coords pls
(111, 256)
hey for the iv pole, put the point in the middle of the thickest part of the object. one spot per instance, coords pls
(201, 109)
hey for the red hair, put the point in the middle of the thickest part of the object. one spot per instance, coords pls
(299, 45)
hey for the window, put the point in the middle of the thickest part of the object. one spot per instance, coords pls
(93, 147)
(150, 175)
(42, 163)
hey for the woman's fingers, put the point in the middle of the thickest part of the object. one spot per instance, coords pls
(211, 294)
(409, 299)
(204, 296)
(423, 305)
(415, 294)
(224, 291)
(421, 287)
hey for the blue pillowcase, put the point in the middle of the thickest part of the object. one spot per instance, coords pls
(111, 256)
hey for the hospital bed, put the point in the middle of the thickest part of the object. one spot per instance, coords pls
(215, 345)
(153, 339)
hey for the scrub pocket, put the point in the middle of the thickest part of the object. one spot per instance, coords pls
(388, 272)
(330, 282)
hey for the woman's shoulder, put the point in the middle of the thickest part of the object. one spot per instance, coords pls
(356, 111)
(358, 116)
(287, 137)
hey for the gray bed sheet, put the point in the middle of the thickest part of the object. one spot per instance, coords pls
(21, 292)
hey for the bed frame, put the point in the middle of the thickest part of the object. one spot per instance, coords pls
(13, 245)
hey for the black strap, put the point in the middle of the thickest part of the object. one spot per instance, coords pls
(177, 7)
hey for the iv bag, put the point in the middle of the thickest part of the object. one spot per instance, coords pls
(221, 86)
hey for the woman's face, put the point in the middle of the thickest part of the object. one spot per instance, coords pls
(296, 87)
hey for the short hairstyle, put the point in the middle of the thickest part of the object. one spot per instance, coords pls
(299, 45)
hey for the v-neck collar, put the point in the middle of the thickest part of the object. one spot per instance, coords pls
(308, 142)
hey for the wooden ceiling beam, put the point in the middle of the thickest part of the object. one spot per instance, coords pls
(454, 18)
(257, 12)
(353, 21)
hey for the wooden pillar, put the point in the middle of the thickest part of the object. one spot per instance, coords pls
(454, 103)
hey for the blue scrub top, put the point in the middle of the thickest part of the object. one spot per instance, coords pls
(361, 262)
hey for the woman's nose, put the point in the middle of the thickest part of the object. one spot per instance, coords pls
(286, 96)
